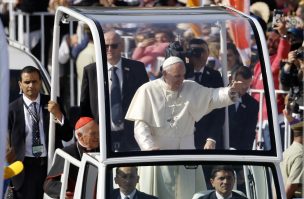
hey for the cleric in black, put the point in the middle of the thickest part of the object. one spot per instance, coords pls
(28, 125)
(87, 134)
(125, 76)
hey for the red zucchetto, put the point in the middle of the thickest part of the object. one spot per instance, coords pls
(83, 121)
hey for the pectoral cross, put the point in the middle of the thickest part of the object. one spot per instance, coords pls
(173, 118)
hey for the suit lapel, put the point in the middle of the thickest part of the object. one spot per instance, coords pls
(213, 195)
(125, 75)
(136, 195)
(205, 77)
(21, 115)
(45, 116)
(242, 106)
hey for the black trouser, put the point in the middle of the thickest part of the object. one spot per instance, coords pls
(123, 141)
(35, 171)
(116, 140)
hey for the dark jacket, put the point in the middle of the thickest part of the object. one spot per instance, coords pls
(211, 125)
(242, 123)
(138, 195)
(212, 195)
(134, 75)
(16, 130)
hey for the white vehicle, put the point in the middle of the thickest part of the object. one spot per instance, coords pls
(257, 171)
(4, 98)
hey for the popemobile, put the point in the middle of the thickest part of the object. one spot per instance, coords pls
(253, 171)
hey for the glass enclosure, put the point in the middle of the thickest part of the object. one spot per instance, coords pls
(213, 41)
(193, 180)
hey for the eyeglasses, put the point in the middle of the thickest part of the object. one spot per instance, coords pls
(113, 46)
(126, 176)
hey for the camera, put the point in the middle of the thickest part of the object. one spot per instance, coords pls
(176, 49)
(277, 17)
(300, 54)
(294, 104)
(291, 22)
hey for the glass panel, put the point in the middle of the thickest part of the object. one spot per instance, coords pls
(216, 42)
(89, 182)
(193, 181)
(198, 45)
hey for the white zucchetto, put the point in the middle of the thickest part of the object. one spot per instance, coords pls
(171, 60)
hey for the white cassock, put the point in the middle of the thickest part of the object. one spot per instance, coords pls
(165, 119)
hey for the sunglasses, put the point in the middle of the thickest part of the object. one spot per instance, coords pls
(113, 46)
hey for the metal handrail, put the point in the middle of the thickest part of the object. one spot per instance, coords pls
(68, 159)
(287, 134)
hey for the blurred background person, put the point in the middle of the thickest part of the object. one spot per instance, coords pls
(152, 47)
(278, 47)
(243, 115)
(85, 57)
(208, 130)
(291, 79)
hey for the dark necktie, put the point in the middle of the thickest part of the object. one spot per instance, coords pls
(126, 197)
(197, 77)
(116, 106)
(35, 129)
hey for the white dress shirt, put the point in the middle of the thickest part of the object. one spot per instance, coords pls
(218, 196)
(131, 195)
(28, 127)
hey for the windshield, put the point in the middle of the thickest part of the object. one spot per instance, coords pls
(192, 180)
(217, 47)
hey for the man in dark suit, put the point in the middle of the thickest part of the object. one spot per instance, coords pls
(222, 180)
(243, 115)
(208, 131)
(127, 178)
(28, 125)
(129, 75)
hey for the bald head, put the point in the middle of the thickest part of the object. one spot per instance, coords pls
(112, 34)
(126, 178)
(114, 47)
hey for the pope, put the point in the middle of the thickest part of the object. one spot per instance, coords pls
(165, 110)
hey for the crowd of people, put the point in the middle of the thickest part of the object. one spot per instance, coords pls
(179, 105)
